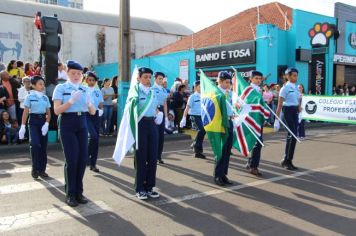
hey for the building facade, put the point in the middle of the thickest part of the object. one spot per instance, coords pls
(78, 4)
(89, 37)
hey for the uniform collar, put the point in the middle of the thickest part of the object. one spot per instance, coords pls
(222, 90)
(256, 87)
(291, 84)
(158, 86)
(36, 93)
(196, 93)
(76, 86)
(145, 89)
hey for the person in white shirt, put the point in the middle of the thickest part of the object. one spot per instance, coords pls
(22, 93)
(62, 74)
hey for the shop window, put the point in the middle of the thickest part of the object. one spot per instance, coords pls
(350, 75)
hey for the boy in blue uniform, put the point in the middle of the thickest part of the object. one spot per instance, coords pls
(94, 120)
(193, 108)
(289, 102)
(221, 166)
(147, 152)
(71, 102)
(37, 106)
(161, 94)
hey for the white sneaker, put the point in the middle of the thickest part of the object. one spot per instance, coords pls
(152, 194)
(141, 195)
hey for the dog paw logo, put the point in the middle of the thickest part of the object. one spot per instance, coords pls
(320, 34)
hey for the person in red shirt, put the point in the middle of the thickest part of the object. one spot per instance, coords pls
(11, 86)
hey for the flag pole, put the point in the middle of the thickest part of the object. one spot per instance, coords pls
(248, 127)
(280, 120)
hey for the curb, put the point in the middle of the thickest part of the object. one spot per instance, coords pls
(103, 141)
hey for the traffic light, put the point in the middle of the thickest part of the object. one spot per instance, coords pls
(49, 27)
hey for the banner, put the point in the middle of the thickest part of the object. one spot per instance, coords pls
(340, 109)
(317, 83)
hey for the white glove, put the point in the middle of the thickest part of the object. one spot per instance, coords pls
(44, 129)
(237, 121)
(276, 125)
(22, 132)
(300, 118)
(183, 122)
(101, 112)
(75, 96)
(159, 118)
(89, 101)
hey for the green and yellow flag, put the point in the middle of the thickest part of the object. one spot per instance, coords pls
(214, 115)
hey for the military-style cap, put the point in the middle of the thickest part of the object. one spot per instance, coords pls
(224, 75)
(74, 65)
(36, 78)
(143, 70)
(197, 82)
(290, 70)
(256, 73)
(159, 74)
(92, 74)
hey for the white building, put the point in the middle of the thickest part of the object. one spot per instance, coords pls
(88, 37)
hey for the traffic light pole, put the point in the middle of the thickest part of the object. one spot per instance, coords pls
(124, 58)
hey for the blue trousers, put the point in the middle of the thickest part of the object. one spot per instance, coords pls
(74, 138)
(106, 118)
(160, 130)
(254, 161)
(291, 118)
(146, 155)
(38, 142)
(198, 142)
(301, 129)
(93, 143)
(222, 165)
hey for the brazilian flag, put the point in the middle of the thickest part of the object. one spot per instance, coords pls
(213, 114)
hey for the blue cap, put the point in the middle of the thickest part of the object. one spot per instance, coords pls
(36, 78)
(143, 70)
(74, 65)
(159, 74)
(224, 75)
(92, 74)
(256, 73)
(197, 82)
(290, 70)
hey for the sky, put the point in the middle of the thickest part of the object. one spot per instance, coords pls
(199, 14)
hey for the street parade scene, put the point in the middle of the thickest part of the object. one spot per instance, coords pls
(177, 118)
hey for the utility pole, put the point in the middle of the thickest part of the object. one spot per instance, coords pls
(124, 57)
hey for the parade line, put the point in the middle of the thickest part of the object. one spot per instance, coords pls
(242, 186)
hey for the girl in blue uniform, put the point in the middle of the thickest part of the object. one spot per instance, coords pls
(37, 106)
(94, 120)
(71, 102)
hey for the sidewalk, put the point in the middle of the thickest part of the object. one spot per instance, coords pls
(103, 141)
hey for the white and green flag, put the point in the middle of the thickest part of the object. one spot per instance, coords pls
(128, 130)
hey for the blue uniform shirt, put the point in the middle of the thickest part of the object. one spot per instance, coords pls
(161, 94)
(37, 104)
(96, 96)
(143, 94)
(291, 94)
(63, 93)
(194, 104)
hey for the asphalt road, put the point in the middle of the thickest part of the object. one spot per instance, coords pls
(319, 199)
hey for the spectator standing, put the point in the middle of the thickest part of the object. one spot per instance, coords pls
(301, 122)
(29, 71)
(62, 74)
(108, 94)
(268, 98)
(113, 123)
(11, 85)
(37, 68)
(3, 96)
(178, 104)
(8, 129)
(23, 92)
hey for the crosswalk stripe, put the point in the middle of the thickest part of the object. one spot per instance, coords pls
(14, 160)
(30, 186)
(15, 170)
(28, 219)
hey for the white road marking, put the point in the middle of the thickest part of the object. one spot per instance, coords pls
(30, 186)
(242, 186)
(15, 170)
(28, 219)
(14, 160)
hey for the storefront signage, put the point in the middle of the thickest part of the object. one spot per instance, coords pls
(226, 55)
(184, 69)
(352, 40)
(213, 74)
(344, 59)
(320, 34)
(317, 85)
(329, 108)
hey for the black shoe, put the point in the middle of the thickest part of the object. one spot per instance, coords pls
(81, 199)
(283, 163)
(219, 181)
(226, 180)
(160, 161)
(200, 155)
(293, 166)
(43, 174)
(71, 201)
(35, 174)
(93, 168)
